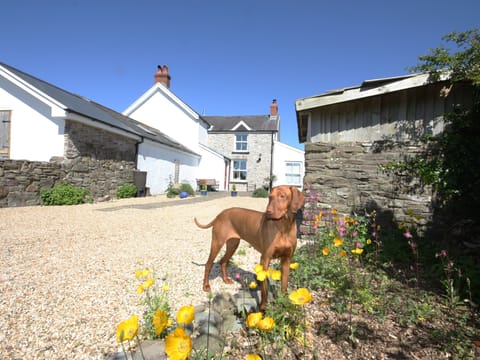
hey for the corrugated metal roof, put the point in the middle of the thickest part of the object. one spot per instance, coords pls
(90, 109)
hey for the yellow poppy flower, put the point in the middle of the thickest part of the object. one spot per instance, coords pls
(262, 275)
(258, 268)
(138, 273)
(145, 273)
(337, 241)
(294, 266)
(300, 297)
(166, 288)
(253, 319)
(148, 284)
(357, 251)
(343, 253)
(253, 357)
(186, 314)
(369, 241)
(160, 321)
(276, 275)
(178, 345)
(140, 289)
(266, 324)
(252, 285)
(127, 329)
(326, 251)
(331, 234)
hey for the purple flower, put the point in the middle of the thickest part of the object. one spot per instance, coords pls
(354, 234)
(443, 253)
(408, 235)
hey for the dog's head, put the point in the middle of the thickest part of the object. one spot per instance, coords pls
(284, 200)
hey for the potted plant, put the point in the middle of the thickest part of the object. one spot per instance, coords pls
(234, 190)
(203, 190)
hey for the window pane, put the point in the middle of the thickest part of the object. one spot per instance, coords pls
(241, 142)
(240, 169)
(292, 173)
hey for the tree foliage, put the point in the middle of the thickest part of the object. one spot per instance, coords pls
(462, 63)
(451, 162)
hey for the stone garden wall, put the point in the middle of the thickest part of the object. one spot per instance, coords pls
(349, 177)
(94, 159)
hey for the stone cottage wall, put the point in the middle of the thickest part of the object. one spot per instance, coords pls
(258, 144)
(95, 160)
(349, 177)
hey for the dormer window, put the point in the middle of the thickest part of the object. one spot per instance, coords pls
(241, 142)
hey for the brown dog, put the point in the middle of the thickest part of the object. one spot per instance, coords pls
(272, 233)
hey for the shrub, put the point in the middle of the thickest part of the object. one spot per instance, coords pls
(127, 191)
(173, 191)
(65, 194)
(260, 193)
(187, 188)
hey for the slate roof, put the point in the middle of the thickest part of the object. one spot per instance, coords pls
(80, 105)
(257, 123)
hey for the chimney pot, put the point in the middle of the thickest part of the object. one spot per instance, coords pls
(274, 108)
(162, 76)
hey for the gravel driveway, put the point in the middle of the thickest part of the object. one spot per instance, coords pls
(68, 272)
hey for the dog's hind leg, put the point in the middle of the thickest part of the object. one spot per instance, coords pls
(214, 250)
(232, 245)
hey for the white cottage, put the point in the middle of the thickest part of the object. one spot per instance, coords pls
(41, 122)
(160, 108)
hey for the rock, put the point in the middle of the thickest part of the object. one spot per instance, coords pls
(223, 303)
(215, 344)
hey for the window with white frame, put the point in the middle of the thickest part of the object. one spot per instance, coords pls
(5, 134)
(241, 142)
(239, 169)
(292, 173)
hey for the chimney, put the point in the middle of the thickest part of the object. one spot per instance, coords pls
(274, 108)
(162, 76)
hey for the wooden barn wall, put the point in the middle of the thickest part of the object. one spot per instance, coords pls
(399, 116)
(351, 142)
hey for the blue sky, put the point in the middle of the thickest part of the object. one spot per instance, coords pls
(225, 57)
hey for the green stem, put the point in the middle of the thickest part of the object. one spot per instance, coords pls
(140, 347)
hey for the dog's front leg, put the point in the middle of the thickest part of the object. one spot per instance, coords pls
(265, 261)
(285, 266)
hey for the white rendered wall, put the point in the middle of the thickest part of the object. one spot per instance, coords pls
(163, 113)
(212, 166)
(34, 134)
(159, 163)
(284, 153)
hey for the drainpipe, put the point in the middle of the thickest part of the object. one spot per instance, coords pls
(271, 165)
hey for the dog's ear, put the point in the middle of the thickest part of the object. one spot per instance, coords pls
(298, 200)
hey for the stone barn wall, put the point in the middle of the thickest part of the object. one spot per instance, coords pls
(349, 176)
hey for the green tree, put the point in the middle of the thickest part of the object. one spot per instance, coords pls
(452, 159)
(462, 63)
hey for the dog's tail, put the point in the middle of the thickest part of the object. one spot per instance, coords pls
(203, 226)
